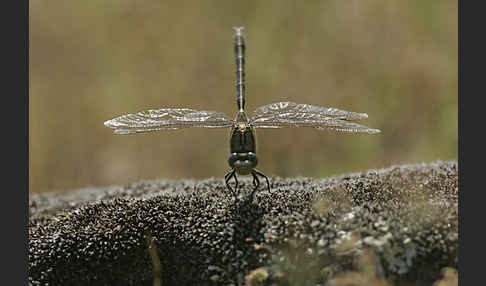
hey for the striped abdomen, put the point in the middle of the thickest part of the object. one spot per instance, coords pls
(239, 47)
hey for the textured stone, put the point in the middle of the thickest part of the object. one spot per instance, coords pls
(401, 221)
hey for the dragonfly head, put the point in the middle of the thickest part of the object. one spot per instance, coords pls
(243, 163)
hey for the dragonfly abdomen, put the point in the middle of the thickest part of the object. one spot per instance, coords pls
(239, 48)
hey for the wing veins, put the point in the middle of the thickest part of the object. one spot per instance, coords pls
(168, 119)
(290, 114)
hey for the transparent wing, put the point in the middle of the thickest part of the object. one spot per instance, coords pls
(168, 119)
(291, 114)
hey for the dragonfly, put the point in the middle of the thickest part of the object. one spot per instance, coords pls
(243, 159)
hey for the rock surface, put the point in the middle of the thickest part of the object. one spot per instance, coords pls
(394, 226)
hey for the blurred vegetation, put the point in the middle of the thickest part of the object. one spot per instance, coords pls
(91, 61)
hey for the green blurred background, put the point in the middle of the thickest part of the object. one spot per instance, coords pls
(94, 60)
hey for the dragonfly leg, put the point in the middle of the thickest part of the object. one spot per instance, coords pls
(227, 178)
(256, 183)
(236, 185)
(262, 175)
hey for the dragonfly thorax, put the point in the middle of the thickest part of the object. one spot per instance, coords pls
(243, 163)
(242, 126)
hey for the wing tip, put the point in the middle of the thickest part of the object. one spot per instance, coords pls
(111, 124)
(108, 123)
(373, 131)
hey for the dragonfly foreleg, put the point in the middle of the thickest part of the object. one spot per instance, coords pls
(256, 183)
(227, 178)
(262, 175)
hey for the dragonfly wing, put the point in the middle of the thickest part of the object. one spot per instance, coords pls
(168, 119)
(290, 114)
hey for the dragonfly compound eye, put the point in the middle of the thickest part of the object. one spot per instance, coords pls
(232, 159)
(252, 157)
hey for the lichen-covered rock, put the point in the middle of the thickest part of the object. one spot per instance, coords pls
(391, 226)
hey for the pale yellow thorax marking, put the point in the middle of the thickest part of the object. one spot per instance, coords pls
(241, 126)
